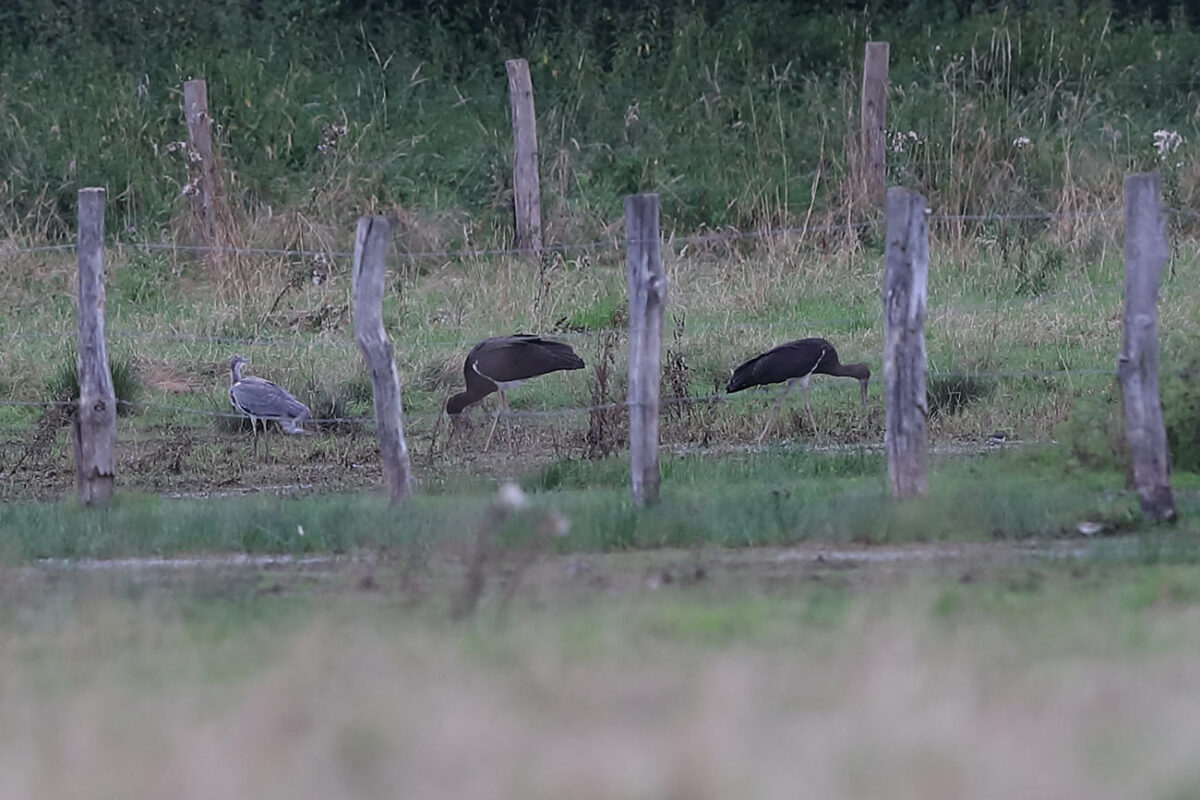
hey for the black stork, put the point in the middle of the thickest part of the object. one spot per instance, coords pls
(795, 362)
(505, 362)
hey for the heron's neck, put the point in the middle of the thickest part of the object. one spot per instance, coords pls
(235, 373)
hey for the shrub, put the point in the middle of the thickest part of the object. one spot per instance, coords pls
(1095, 432)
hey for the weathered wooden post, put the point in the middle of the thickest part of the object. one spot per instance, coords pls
(527, 202)
(647, 298)
(904, 362)
(95, 421)
(1137, 365)
(370, 254)
(872, 142)
(201, 186)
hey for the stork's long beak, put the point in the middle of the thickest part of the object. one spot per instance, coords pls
(863, 383)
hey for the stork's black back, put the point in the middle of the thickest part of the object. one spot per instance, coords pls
(518, 357)
(785, 362)
(510, 358)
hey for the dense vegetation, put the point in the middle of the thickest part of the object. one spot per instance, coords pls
(686, 98)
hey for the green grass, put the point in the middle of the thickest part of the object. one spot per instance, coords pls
(775, 497)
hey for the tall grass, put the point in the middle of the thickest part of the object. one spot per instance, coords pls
(667, 99)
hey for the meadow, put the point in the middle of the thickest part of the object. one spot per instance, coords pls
(250, 626)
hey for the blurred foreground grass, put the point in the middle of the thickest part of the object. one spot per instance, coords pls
(992, 677)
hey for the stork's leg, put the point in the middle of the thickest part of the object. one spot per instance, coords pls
(812, 420)
(774, 411)
(495, 419)
(507, 420)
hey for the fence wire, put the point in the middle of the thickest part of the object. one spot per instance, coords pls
(572, 411)
(593, 245)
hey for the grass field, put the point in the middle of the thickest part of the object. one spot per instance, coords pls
(240, 626)
(694, 674)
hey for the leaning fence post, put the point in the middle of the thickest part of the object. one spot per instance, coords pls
(1137, 365)
(370, 252)
(527, 203)
(647, 297)
(872, 145)
(201, 180)
(95, 422)
(904, 362)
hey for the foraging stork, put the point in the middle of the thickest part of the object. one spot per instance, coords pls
(796, 362)
(505, 362)
(261, 400)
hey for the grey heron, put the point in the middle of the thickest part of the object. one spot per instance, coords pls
(505, 362)
(262, 401)
(795, 362)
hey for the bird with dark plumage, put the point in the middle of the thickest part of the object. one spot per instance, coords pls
(505, 362)
(796, 362)
(262, 401)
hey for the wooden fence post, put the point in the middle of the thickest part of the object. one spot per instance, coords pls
(647, 298)
(370, 254)
(527, 202)
(904, 362)
(201, 186)
(872, 142)
(1137, 365)
(95, 422)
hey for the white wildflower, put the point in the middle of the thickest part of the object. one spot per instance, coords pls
(1166, 142)
(899, 141)
(510, 497)
(1022, 142)
(330, 135)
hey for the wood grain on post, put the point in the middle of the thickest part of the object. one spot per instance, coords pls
(527, 202)
(872, 142)
(1137, 365)
(370, 254)
(647, 298)
(95, 422)
(904, 361)
(201, 175)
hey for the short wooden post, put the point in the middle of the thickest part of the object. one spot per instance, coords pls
(201, 186)
(95, 421)
(904, 362)
(647, 298)
(527, 202)
(1137, 365)
(370, 254)
(872, 142)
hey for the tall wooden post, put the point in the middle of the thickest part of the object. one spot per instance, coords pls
(527, 202)
(904, 361)
(95, 422)
(872, 143)
(1137, 366)
(201, 175)
(647, 298)
(370, 254)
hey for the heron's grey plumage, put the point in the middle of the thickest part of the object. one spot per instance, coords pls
(261, 399)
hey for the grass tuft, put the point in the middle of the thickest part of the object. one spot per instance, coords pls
(63, 384)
